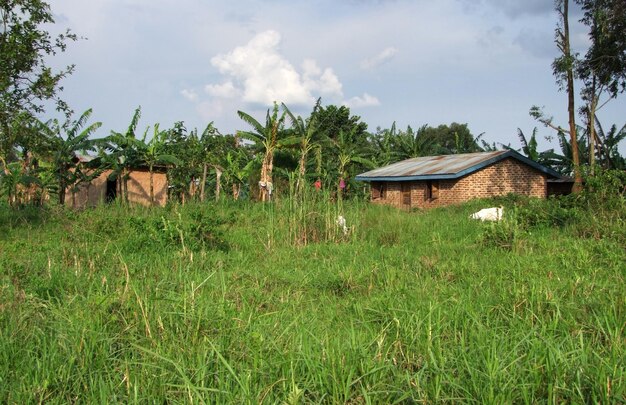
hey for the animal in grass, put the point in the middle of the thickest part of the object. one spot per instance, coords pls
(342, 224)
(489, 214)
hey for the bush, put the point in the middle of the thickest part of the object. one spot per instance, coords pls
(193, 227)
(502, 234)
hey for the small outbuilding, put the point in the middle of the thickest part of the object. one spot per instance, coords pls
(106, 186)
(434, 181)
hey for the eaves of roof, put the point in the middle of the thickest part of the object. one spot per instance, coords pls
(460, 173)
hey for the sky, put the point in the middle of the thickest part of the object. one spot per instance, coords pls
(415, 62)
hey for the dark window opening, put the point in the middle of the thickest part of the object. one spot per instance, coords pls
(432, 190)
(406, 194)
(111, 191)
(379, 191)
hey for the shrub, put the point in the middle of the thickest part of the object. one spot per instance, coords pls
(193, 227)
(501, 234)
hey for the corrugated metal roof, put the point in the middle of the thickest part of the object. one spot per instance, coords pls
(445, 166)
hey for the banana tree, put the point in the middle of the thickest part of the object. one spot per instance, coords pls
(348, 153)
(123, 157)
(303, 131)
(410, 144)
(608, 146)
(211, 147)
(13, 180)
(65, 142)
(564, 162)
(267, 139)
(153, 153)
(237, 168)
(529, 146)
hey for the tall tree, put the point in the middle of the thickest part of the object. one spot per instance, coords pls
(529, 146)
(211, 151)
(411, 144)
(452, 139)
(609, 155)
(267, 139)
(153, 153)
(124, 153)
(66, 142)
(304, 130)
(26, 80)
(563, 68)
(603, 68)
(348, 152)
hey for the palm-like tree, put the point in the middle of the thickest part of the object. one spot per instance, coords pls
(384, 140)
(153, 153)
(236, 169)
(303, 130)
(563, 162)
(610, 158)
(267, 140)
(529, 146)
(12, 179)
(412, 144)
(348, 153)
(124, 154)
(65, 142)
(209, 143)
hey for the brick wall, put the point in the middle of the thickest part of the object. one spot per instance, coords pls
(139, 187)
(501, 178)
(94, 193)
(88, 194)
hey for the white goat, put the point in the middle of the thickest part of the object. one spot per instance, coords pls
(489, 214)
(341, 223)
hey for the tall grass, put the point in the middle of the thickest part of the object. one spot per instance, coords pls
(120, 304)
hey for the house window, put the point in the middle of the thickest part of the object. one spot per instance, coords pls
(406, 194)
(379, 191)
(432, 190)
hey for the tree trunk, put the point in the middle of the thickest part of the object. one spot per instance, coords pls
(570, 101)
(236, 191)
(202, 185)
(62, 187)
(218, 183)
(266, 175)
(192, 188)
(302, 171)
(151, 168)
(593, 104)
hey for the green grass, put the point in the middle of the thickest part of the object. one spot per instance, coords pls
(134, 305)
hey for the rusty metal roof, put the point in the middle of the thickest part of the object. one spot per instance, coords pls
(446, 166)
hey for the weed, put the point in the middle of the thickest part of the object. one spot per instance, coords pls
(124, 304)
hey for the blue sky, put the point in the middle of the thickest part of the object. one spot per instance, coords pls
(480, 62)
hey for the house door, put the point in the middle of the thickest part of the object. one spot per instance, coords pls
(406, 195)
(111, 190)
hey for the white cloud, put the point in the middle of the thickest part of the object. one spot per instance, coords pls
(383, 57)
(365, 100)
(224, 90)
(190, 95)
(262, 75)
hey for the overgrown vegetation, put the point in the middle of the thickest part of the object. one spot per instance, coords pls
(127, 305)
(315, 296)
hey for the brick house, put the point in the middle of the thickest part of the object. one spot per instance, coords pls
(435, 181)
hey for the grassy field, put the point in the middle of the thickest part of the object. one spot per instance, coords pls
(251, 303)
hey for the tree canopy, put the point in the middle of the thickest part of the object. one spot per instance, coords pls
(26, 80)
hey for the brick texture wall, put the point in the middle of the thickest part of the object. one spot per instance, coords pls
(501, 178)
(139, 187)
(94, 193)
